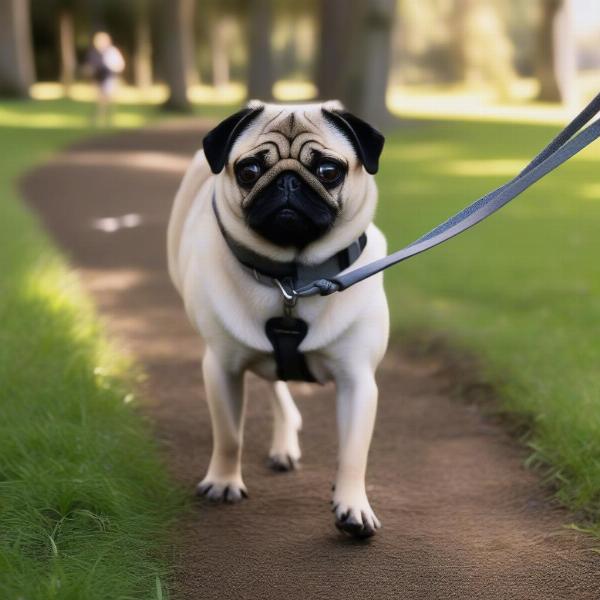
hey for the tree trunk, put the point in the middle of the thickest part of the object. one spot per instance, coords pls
(178, 51)
(338, 25)
(565, 58)
(96, 12)
(355, 55)
(459, 18)
(546, 53)
(369, 71)
(260, 62)
(219, 53)
(17, 72)
(68, 59)
(142, 58)
(481, 51)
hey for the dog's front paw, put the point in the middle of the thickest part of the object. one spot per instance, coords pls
(222, 490)
(356, 518)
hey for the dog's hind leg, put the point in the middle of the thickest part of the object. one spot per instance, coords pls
(287, 422)
(225, 397)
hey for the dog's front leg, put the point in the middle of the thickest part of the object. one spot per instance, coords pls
(356, 408)
(225, 397)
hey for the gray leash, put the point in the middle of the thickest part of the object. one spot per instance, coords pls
(565, 145)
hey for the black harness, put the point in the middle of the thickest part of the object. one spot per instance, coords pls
(287, 332)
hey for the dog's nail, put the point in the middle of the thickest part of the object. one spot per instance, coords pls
(202, 490)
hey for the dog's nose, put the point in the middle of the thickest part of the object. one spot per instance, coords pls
(288, 182)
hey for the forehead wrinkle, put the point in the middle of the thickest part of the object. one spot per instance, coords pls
(282, 143)
(278, 124)
(258, 148)
(289, 124)
(269, 122)
(300, 142)
(316, 128)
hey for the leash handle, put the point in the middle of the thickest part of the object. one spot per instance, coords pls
(563, 147)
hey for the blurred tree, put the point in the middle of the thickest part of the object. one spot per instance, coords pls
(293, 40)
(482, 48)
(546, 71)
(370, 69)
(17, 71)
(219, 57)
(556, 53)
(355, 55)
(338, 23)
(142, 55)
(220, 42)
(260, 59)
(178, 53)
(66, 36)
(96, 12)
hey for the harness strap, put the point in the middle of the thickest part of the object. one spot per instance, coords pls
(292, 275)
(286, 334)
(564, 146)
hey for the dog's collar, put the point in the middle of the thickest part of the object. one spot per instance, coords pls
(290, 276)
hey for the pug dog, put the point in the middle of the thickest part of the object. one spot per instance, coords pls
(277, 191)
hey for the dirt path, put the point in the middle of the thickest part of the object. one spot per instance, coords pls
(461, 516)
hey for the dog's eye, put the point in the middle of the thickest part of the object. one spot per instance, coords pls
(248, 172)
(329, 172)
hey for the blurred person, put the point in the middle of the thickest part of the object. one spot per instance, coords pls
(105, 63)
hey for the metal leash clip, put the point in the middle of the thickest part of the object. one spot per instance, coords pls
(290, 297)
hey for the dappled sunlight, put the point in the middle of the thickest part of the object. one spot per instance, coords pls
(156, 94)
(416, 151)
(460, 103)
(153, 161)
(298, 91)
(114, 280)
(233, 93)
(590, 154)
(87, 92)
(482, 168)
(130, 95)
(590, 191)
(139, 316)
(40, 120)
(409, 188)
(128, 119)
(57, 293)
(531, 208)
(54, 119)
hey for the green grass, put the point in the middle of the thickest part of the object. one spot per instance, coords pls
(520, 291)
(85, 503)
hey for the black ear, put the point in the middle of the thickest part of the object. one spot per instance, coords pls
(218, 142)
(366, 140)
